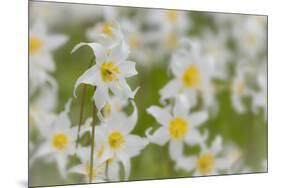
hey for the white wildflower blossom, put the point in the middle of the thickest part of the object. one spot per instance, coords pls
(179, 126)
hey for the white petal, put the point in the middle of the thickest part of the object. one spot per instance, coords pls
(134, 144)
(61, 162)
(127, 165)
(98, 49)
(90, 76)
(120, 52)
(128, 69)
(197, 118)
(216, 146)
(222, 164)
(170, 90)
(187, 163)
(44, 149)
(175, 149)
(56, 41)
(181, 107)
(132, 120)
(79, 169)
(193, 137)
(101, 96)
(113, 171)
(161, 115)
(122, 89)
(160, 136)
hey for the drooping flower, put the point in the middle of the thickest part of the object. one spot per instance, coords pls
(210, 161)
(109, 73)
(59, 141)
(192, 77)
(178, 127)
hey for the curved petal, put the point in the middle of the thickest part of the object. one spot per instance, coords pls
(161, 115)
(170, 90)
(101, 96)
(90, 76)
(126, 163)
(160, 136)
(120, 52)
(181, 107)
(193, 137)
(187, 163)
(122, 89)
(197, 118)
(134, 144)
(113, 171)
(128, 69)
(56, 41)
(98, 49)
(132, 120)
(216, 146)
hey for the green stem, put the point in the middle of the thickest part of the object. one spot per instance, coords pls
(92, 142)
(84, 91)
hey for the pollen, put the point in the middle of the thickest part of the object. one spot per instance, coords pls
(116, 139)
(172, 15)
(178, 128)
(35, 44)
(206, 163)
(60, 141)
(107, 29)
(109, 71)
(191, 77)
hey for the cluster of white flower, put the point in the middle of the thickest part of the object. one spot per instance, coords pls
(231, 59)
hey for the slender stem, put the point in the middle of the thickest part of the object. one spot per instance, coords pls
(84, 91)
(92, 141)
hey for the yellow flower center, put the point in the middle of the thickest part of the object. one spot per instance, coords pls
(116, 139)
(171, 40)
(35, 44)
(109, 71)
(251, 40)
(100, 151)
(206, 163)
(134, 41)
(107, 29)
(178, 128)
(60, 141)
(191, 77)
(172, 15)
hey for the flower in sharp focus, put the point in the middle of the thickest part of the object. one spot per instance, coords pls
(210, 161)
(41, 46)
(191, 77)
(178, 126)
(59, 141)
(109, 73)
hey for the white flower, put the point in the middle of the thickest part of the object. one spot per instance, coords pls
(109, 73)
(239, 89)
(208, 162)
(192, 77)
(108, 33)
(250, 35)
(177, 127)
(41, 46)
(59, 141)
(42, 109)
(114, 136)
(99, 165)
(260, 96)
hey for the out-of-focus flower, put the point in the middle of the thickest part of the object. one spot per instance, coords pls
(99, 165)
(114, 136)
(239, 89)
(260, 96)
(209, 162)
(178, 126)
(114, 104)
(250, 35)
(59, 141)
(192, 78)
(110, 72)
(41, 46)
(108, 33)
